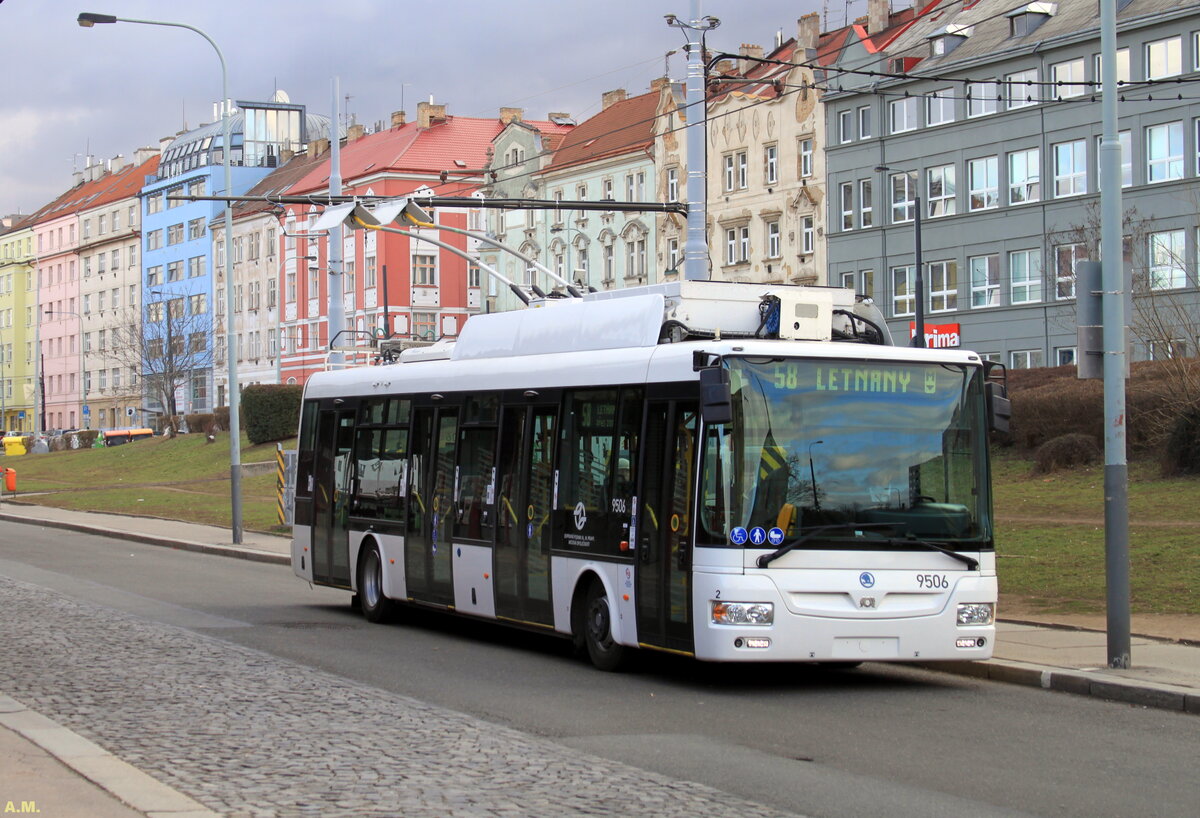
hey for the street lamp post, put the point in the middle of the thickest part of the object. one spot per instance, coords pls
(89, 19)
(83, 379)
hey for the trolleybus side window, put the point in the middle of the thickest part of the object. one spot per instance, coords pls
(380, 459)
(307, 449)
(474, 515)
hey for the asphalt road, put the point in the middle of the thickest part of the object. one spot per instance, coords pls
(881, 740)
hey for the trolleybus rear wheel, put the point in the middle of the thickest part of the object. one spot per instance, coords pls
(375, 605)
(597, 631)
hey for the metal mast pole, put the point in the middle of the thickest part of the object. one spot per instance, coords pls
(1116, 477)
(695, 249)
(337, 311)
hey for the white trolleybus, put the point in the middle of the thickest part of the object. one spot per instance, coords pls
(733, 472)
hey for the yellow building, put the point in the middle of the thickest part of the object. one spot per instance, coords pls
(18, 323)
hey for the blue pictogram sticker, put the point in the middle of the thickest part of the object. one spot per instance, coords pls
(529, 531)
(758, 535)
(775, 536)
(866, 579)
(738, 536)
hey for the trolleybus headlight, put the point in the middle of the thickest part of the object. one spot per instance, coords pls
(975, 613)
(743, 613)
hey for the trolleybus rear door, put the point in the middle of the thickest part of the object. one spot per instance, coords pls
(331, 497)
(665, 525)
(427, 549)
(525, 488)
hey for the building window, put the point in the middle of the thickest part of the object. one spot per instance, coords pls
(774, 249)
(904, 191)
(939, 107)
(903, 301)
(1024, 176)
(1123, 75)
(673, 254)
(940, 184)
(1027, 359)
(1021, 89)
(866, 213)
(198, 303)
(902, 114)
(845, 126)
(984, 179)
(771, 159)
(846, 199)
(153, 240)
(864, 122)
(1070, 168)
(848, 280)
(743, 244)
(808, 235)
(985, 281)
(867, 279)
(743, 177)
(1025, 276)
(806, 158)
(1164, 58)
(672, 184)
(1164, 152)
(1125, 139)
(943, 286)
(730, 177)
(195, 266)
(1066, 256)
(1167, 270)
(424, 270)
(982, 98)
(175, 271)
(1068, 78)
(731, 246)
(175, 234)
(154, 203)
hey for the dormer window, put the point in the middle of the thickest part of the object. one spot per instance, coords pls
(1024, 20)
(947, 38)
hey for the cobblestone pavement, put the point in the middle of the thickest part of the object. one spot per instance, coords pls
(248, 734)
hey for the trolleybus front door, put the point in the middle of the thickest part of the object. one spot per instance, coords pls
(331, 486)
(525, 485)
(665, 525)
(427, 548)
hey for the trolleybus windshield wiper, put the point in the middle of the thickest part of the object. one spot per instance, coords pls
(971, 563)
(767, 559)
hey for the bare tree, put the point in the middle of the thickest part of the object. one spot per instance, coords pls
(169, 343)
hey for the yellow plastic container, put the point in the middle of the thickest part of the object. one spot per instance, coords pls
(13, 445)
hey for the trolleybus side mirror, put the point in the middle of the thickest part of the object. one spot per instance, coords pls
(716, 402)
(995, 393)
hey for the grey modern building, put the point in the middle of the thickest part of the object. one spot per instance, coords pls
(987, 113)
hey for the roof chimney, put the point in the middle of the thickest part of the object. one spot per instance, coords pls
(355, 132)
(318, 147)
(429, 114)
(878, 12)
(609, 98)
(748, 50)
(144, 155)
(657, 83)
(164, 142)
(398, 119)
(118, 163)
(508, 115)
(808, 30)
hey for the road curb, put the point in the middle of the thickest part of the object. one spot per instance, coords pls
(1079, 682)
(123, 781)
(235, 551)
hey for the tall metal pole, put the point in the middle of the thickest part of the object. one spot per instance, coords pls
(1116, 477)
(918, 339)
(89, 19)
(695, 249)
(337, 311)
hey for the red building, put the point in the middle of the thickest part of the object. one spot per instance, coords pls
(391, 283)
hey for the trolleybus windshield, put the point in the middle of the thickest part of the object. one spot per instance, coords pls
(849, 454)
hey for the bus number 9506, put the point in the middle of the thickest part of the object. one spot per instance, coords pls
(934, 581)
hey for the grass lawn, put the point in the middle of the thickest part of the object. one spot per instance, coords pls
(1049, 528)
(1050, 538)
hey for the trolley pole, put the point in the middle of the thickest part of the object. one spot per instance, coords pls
(1116, 476)
(337, 310)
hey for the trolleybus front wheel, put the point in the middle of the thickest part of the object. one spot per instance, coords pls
(376, 607)
(605, 654)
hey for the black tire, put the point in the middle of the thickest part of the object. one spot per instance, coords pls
(839, 665)
(605, 654)
(375, 605)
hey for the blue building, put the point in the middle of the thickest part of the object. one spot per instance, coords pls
(182, 268)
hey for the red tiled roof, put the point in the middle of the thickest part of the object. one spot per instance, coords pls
(409, 148)
(623, 127)
(110, 187)
(280, 181)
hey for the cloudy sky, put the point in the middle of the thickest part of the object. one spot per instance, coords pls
(72, 91)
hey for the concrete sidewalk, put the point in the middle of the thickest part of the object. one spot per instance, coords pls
(1165, 674)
